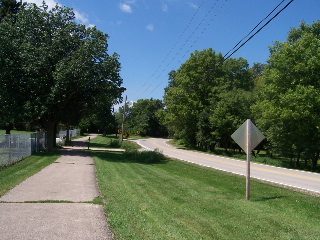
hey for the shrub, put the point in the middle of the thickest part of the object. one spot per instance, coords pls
(114, 143)
(148, 157)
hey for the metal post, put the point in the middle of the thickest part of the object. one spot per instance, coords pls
(123, 119)
(248, 159)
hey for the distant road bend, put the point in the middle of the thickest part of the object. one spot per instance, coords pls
(306, 181)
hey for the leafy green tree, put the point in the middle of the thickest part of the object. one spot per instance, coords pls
(10, 67)
(143, 117)
(188, 93)
(64, 68)
(194, 92)
(204, 137)
(229, 114)
(289, 110)
(8, 7)
(257, 69)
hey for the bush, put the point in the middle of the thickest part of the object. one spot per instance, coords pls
(148, 157)
(129, 146)
(114, 143)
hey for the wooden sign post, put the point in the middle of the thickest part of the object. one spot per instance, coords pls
(247, 136)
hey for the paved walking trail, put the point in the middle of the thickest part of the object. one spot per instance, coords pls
(70, 178)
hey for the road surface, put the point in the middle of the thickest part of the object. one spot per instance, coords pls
(306, 181)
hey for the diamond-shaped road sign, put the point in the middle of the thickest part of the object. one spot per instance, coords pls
(247, 136)
(240, 136)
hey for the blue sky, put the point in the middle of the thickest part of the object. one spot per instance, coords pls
(154, 37)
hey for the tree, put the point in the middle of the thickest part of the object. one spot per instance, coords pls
(64, 68)
(257, 69)
(288, 112)
(10, 67)
(143, 117)
(194, 92)
(188, 93)
(8, 7)
(229, 114)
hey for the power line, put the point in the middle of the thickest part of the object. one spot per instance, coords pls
(209, 72)
(175, 44)
(191, 46)
(227, 57)
(184, 44)
(254, 28)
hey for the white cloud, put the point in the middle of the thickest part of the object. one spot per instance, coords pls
(91, 25)
(80, 17)
(130, 1)
(116, 23)
(195, 6)
(150, 27)
(165, 7)
(125, 7)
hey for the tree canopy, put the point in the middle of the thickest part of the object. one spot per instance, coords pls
(195, 92)
(9, 7)
(142, 117)
(53, 69)
(289, 109)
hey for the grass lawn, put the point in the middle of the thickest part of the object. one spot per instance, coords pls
(112, 142)
(15, 132)
(178, 200)
(17, 173)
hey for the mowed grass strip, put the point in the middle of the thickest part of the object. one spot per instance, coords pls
(17, 173)
(178, 200)
(112, 141)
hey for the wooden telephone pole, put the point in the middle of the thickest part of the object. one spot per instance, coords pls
(123, 119)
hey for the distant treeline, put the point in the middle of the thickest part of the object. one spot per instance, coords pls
(209, 97)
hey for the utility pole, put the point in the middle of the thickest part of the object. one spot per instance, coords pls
(123, 119)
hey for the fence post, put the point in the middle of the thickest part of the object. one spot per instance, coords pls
(9, 137)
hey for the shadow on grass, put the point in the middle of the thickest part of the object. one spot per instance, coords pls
(268, 198)
(143, 157)
(112, 144)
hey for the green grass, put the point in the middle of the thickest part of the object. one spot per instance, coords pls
(15, 132)
(17, 173)
(178, 200)
(138, 137)
(112, 142)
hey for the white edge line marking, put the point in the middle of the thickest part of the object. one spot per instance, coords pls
(239, 174)
(242, 161)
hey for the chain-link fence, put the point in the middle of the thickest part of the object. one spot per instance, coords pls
(72, 133)
(14, 147)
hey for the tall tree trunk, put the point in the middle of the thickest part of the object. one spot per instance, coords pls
(51, 135)
(314, 162)
(55, 134)
(68, 139)
(8, 129)
(298, 159)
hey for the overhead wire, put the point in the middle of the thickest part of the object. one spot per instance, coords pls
(196, 40)
(185, 42)
(255, 27)
(238, 46)
(175, 44)
(225, 58)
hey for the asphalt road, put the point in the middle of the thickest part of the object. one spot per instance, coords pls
(306, 181)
